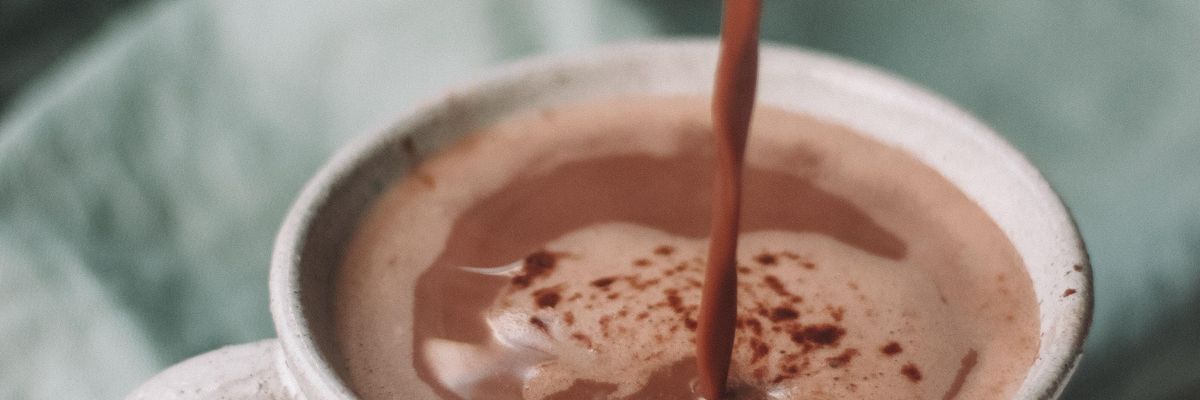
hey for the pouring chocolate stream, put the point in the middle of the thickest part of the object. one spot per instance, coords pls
(732, 106)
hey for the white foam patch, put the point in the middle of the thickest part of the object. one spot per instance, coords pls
(621, 302)
(594, 331)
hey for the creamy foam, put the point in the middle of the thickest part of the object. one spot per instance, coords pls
(912, 291)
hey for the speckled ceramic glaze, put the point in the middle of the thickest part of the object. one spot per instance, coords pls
(969, 154)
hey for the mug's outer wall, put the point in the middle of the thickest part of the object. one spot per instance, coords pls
(245, 371)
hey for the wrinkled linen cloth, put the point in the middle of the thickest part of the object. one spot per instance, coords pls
(142, 180)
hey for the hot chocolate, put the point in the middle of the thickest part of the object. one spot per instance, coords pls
(559, 254)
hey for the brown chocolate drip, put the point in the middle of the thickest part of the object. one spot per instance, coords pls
(968, 363)
(733, 104)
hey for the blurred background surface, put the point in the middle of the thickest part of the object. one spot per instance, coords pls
(149, 149)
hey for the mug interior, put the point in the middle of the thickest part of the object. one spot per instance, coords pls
(987, 169)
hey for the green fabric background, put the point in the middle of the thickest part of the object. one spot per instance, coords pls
(142, 180)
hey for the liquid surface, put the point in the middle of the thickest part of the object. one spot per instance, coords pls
(863, 273)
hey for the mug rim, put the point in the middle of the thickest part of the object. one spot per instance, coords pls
(305, 368)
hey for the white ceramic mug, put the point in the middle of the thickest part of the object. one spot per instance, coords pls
(310, 243)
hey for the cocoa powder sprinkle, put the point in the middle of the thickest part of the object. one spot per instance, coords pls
(783, 314)
(819, 335)
(842, 359)
(664, 250)
(675, 301)
(837, 313)
(759, 349)
(604, 282)
(547, 299)
(585, 339)
(776, 285)
(540, 262)
(754, 326)
(539, 324)
(891, 349)
(911, 372)
(765, 259)
(537, 264)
